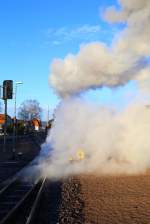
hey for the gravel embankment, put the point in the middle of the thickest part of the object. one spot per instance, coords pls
(116, 200)
(90, 199)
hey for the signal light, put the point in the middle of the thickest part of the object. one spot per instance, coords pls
(7, 89)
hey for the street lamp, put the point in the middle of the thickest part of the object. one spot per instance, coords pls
(14, 125)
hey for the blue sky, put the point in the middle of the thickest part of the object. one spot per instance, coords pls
(34, 32)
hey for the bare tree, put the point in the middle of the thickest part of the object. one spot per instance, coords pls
(30, 109)
(0, 106)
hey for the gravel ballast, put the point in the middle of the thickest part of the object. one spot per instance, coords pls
(89, 199)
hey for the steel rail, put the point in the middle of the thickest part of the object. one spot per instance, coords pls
(33, 212)
(20, 203)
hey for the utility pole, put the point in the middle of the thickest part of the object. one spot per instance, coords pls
(5, 124)
(14, 121)
(48, 114)
(14, 126)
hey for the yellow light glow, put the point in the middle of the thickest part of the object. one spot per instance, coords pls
(80, 154)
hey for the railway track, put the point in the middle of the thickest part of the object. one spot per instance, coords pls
(19, 200)
(11, 167)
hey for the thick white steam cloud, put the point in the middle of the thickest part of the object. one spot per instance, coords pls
(97, 65)
(113, 142)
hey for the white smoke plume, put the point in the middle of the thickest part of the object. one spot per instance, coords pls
(97, 65)
(114, 142)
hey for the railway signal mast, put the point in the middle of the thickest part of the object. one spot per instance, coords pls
(7, 94)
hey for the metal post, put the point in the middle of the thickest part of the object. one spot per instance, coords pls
(48, 115)
(5, 125)
(14, 127)
(14, 122)
(7, 94)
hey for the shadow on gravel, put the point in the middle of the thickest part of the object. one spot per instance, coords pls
(54, 202)
(50, 203)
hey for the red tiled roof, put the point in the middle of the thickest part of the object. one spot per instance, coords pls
(2, 118)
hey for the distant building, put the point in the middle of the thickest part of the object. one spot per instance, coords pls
(2, 121)
(36, 124)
